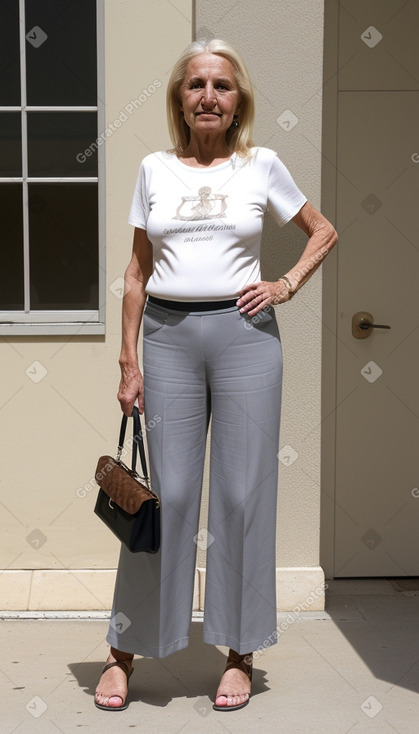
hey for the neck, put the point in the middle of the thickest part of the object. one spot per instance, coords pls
(207, 149)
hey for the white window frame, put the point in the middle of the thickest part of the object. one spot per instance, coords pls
(26, 322)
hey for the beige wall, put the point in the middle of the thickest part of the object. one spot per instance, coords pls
(53, 431)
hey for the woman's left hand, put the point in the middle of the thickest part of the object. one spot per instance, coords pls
(256, 296)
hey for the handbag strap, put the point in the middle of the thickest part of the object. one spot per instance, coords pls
(137, 440)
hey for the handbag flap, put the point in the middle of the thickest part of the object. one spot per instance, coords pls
(120, 485)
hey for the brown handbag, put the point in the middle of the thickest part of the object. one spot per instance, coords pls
(127, 506)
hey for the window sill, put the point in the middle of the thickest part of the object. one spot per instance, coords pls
(52, 328)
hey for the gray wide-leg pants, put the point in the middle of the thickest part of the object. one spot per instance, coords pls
(196, 364)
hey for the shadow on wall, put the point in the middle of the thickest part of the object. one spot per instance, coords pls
(281, 248)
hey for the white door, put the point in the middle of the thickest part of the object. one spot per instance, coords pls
(377, 419)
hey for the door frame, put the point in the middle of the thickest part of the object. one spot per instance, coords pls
(329, 296)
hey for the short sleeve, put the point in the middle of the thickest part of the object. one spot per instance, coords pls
(139, 208)
(284, 197)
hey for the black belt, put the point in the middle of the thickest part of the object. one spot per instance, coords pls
(192, 305)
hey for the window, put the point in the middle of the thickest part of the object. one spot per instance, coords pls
(51, 192)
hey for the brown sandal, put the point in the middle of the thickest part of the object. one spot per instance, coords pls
(243, 663)
(120, 664)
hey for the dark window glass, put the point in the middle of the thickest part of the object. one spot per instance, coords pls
(11, 247)
(61, 52)
(55, 139)
(10, 144)
(9, 53)
(63, 232)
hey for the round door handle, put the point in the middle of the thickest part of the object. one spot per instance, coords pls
(363, 324)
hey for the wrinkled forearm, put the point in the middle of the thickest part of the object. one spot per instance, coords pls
(322, 240)
(132, 312)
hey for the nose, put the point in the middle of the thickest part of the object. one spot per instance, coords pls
(209, 98)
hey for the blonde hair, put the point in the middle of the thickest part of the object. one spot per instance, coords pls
(239, 139)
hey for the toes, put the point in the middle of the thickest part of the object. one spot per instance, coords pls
(221, 701)
(231, 700)
(236, 700)
(112, 701)
(115, 701)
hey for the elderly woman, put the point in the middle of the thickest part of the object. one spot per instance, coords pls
(211, 349)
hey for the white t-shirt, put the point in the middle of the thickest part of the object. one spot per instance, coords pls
(205, 224)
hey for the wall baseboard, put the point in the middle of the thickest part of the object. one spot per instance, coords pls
(299, 588)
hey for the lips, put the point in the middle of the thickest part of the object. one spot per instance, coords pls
(213, 114)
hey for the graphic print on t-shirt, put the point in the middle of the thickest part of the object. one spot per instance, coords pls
(204, 206)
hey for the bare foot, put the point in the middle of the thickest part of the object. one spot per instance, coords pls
(235, 685)
(234, 688)
(112, 688)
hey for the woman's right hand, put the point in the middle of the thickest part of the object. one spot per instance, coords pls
(131, 388)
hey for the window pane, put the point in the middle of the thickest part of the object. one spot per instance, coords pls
(63, 232)
(10, 144)
(9, 53)
(61, 52)
(11, 247)
(55, 139)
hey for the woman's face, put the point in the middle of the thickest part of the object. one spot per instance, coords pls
(209, 94)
